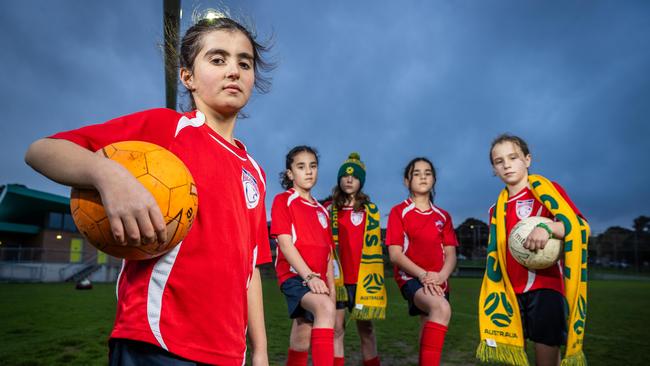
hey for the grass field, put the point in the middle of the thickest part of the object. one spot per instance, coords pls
(54, 324)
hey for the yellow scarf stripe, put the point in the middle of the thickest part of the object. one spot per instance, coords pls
(576, 234)
(371, 291)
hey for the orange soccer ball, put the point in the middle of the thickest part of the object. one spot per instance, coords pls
(168, 180)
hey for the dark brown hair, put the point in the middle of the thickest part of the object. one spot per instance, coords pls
(285, 182)
(408, 174)
(509, 138)
(339, 198)
(192, 43)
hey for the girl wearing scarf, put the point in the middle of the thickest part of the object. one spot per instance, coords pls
(517, 303)
(359, 270)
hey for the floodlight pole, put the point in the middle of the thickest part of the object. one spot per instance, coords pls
(171, 25)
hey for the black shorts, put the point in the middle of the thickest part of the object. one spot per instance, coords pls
(352, 295)
(544, 316)
(293, 291)
(126, 352)
(408, 292)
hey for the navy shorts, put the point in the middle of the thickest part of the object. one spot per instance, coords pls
(408, 292)
(293, 291)
(127, 352)
(352, 295)
(543, 315)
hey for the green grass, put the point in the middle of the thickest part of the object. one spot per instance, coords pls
(54, 324)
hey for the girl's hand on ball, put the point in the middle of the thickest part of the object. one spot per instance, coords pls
(537, 239)
(131, 209)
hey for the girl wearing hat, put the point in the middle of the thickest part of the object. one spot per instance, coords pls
(359, 274)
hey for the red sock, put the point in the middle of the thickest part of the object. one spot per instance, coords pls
(322, 346)
(339, 361)
(433, 337)
(296, 358)
(372, 362)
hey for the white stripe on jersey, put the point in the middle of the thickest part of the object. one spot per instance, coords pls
(439, 212)
(531, 279)
(197, 121)
(157, 282)
(227, 147)
(117, 285)
(517, 196)
(408, 208)
(257, 168)
(293, 196)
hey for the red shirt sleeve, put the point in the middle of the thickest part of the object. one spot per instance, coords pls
(156, 126)
(448, 233)
(280, 217)
(395, 228)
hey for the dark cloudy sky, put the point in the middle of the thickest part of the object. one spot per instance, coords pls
(391, 80)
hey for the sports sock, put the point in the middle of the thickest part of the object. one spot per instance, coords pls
(339, 361)
(433, 337)
(297, 358)
(322, 346)
(372, 362)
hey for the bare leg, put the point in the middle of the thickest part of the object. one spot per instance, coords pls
(547, 355)
(300, 335)
(368, 341)
(339, 333)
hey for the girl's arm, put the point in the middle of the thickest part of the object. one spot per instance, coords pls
(330, 279)
(131, 210)
(450, 263)
(256, 328)
(316, 285)
(398, 258)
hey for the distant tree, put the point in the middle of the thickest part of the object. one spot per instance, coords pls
(642, 224)
(472, 237)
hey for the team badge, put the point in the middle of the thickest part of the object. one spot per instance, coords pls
(439, 225)
(356, 218)
(251, 191)
(322, 219)
(524, 208)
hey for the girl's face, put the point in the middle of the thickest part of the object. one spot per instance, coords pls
(421, 179)
(509, 163)
(223, 75)
(304, 171)
(350, 184)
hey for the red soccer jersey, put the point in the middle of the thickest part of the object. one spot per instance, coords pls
(521, 206)
(352, 226)
(193, 300)
(422, 236)
(308, 224)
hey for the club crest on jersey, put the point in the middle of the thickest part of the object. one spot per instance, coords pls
(524, 208)
(322, 219)
(440, 224)
(356, 218)
(251, 191)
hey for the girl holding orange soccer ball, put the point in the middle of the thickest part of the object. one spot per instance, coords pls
(170, 309)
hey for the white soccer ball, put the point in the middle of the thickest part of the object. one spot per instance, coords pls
(539, 259)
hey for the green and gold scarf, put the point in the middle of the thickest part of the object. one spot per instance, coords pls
(370, 301)
(501, 332)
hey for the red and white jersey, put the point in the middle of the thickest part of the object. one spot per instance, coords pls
(352, 227)
(193, 300)
(308, 223)
(422, 236)
(518, 207)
